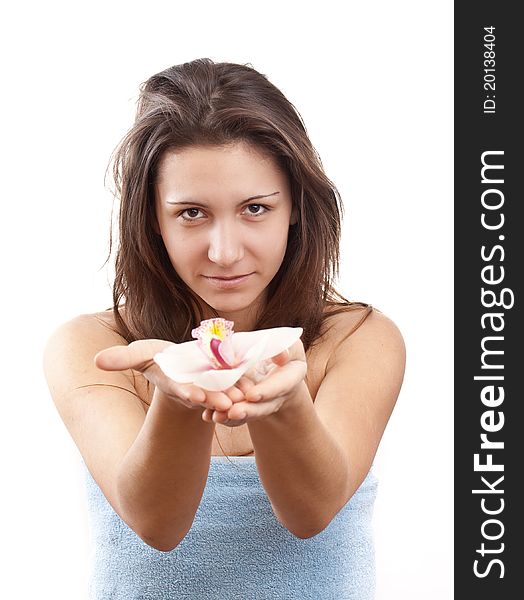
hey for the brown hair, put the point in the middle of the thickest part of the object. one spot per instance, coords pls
(201, 103)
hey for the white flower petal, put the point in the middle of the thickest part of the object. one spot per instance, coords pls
(182, 362)
(277, 339)
(256, 351)
(218, 380)
(171, 371)
(244, 340)
(187, 357)
(186, 363)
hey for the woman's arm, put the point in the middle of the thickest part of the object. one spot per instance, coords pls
(151, 467)
(312, 457)
(161, 478)
(301, 465)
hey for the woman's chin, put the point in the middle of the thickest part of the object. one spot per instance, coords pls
(231, 308)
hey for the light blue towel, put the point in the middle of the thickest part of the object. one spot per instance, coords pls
(236, 549)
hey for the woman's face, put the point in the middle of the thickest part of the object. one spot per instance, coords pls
(223, 213)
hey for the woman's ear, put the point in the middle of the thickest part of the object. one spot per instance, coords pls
(293, 220)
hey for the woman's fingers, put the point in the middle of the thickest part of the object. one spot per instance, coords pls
(264, 398)
(241, 413)
(137, 355)
(281, 381)
(218, 401)
(282, 358)
(235, 393)
(275, 379)
(194, 396)
(220, 418)
(250, 411)
(244, 384)
(186, 391)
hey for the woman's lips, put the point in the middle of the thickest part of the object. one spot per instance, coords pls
(225, 283)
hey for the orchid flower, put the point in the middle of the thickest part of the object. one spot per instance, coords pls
(219, 357)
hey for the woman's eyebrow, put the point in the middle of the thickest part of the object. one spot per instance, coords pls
(196, 203)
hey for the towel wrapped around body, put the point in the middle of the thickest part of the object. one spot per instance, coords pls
(236, 548)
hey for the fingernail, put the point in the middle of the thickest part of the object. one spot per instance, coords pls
(241, 416)
(255, 398)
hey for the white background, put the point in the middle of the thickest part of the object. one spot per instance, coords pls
(373, 82)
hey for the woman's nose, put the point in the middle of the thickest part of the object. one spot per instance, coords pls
(225, 245)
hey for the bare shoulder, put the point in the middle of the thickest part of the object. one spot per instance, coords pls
(73, 345)
(360, 328)
(363, 377)
(99, 325)
(102, 410)
(70, 351)
(367, 353)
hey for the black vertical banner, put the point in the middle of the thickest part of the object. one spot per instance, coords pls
(489, 332)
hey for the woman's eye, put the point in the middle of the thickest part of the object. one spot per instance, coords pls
(256, 209)
(190, 214)
(195, 214)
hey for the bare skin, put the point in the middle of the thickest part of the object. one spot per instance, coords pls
(321, 430)
(313, 422)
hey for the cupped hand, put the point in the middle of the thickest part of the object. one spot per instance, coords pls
(139, 356)
(265, 388)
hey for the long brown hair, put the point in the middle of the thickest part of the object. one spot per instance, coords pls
(203, 102)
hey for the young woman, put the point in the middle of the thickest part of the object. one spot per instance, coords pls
(262, 490)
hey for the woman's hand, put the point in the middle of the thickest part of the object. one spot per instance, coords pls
(265, 389)
(139, 356)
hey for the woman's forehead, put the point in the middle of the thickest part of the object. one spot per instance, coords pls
(239, 164)
(236, 149)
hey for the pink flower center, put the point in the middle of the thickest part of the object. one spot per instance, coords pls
(214, 339)
(215, 344)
